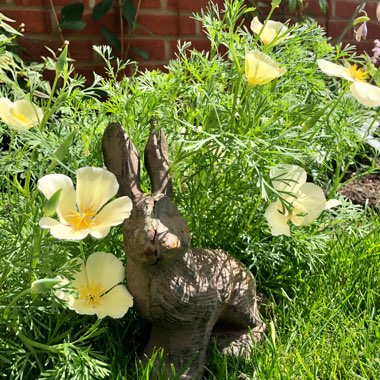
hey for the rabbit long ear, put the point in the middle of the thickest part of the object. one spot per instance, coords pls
(156, 160)
(120, 158)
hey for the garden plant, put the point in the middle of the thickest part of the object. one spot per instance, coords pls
(263, 131)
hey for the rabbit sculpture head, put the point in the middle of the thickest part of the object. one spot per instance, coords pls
(155, 230)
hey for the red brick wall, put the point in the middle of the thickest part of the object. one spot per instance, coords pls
(336, 18)
(341, 10)
(168, 20)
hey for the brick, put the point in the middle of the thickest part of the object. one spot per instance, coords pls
(35, 49)
(187, 25)
(158, 24)
(155, 49)
(201, 45)
(346, 9)
(35, 21)
(150, 4)
(335, 28)
(195, 5)
(314, 9)
(59, 3)
(365, 46)
(170, 4)
(81, 50)
(29, 3)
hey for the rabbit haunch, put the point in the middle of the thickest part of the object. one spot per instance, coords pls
(188, 294)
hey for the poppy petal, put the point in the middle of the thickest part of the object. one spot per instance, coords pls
(115, 303)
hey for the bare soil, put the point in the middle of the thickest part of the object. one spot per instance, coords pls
(364, 191)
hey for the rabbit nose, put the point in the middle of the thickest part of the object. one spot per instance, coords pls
(170, 241)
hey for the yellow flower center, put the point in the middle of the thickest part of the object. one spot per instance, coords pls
(91, 293)
(357, 73)
(81, 220)
(21, 117)
(295, 212)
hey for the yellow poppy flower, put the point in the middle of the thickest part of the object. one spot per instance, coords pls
(98, 289)
(365, 93)
(20, 115)
(84, 211)
(261, 69)
(271, 31)
(305, 200)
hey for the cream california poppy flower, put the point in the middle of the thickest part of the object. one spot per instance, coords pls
(98, 288)
(305, 200)
(365, 93)
(261, 69)
(271, 31)
(20, 115)
(84, 211)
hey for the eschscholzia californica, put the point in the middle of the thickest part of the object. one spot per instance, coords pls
(85, 210)
(273, 32)
(261, 69)
(304, 201)
(365, 93)
(20, 115)
(97, 287)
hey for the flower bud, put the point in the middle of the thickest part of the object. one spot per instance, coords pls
(361, 32)
(44, 284)
(62, 60)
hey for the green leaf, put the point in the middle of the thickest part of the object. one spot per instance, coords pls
(323, 5)
(61, 152)
(292, 5)
(72, 12)
(52, 203)
(101, 9)
(110, 37)
(129, 12)
(8, 28)
(141, 52)
(73, 25)
(376, 77)
(309, 123)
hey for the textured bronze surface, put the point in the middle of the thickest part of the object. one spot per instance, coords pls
(188, 294)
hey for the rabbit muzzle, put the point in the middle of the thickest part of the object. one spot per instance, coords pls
(162, 243)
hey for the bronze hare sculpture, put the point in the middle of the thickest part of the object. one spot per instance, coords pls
(187, 294)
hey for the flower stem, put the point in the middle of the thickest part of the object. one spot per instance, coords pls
(35, 253)
(48, 112)
(35, 344)
(23, 338)
(265, 23)
(334, 105)
(8, 307)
